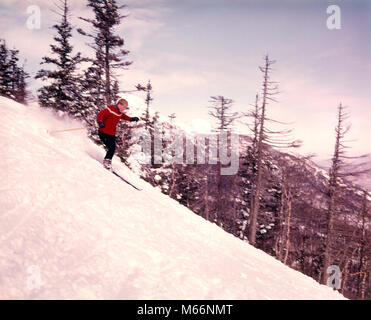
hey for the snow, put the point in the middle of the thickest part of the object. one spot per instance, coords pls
(70, 229)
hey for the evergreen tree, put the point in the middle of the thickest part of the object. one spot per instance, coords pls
(21, 93)
(146, 115)
(14, 71)
(61, 92)
(109, 54)
(116, 91)
(149, 121)
(12, 76)
(173, 171)
(5, 72)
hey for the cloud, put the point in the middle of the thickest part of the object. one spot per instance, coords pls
(166, 82)
(140, 24)
(313, 109)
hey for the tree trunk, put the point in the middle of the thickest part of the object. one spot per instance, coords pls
(279, 242)
(172, 179)
(256, 202)
(220, 195)
(108, 78)
(206, 199)
(288, 226)
(326, 263)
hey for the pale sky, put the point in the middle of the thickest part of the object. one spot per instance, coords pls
(194, 49)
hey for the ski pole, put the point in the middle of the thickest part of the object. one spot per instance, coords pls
(74, 129)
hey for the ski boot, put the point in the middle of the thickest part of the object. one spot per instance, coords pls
(107, 164)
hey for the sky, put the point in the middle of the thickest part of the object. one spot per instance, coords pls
(194, 49)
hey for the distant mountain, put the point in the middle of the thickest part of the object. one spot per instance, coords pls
(363, 180)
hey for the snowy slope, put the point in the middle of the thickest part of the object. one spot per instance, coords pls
(71, 230)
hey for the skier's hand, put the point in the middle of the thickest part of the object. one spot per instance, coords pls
(134, 119)
(101, 124)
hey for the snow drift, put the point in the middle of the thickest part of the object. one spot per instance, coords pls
(71, 230)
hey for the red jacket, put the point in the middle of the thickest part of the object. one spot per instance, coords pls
(111, 117)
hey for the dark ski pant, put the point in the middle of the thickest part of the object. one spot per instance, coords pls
(110, 142)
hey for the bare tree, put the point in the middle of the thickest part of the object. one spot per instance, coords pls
(220, 110)
(265, 138)
(255, 114)
(365, 249)
(337, 174)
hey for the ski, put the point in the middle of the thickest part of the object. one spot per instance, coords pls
(123, 179)
(115, 173)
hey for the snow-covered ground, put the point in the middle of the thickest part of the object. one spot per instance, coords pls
(69, 229)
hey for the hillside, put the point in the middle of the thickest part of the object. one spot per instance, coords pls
(72, 230)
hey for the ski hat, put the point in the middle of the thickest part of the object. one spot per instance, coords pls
(121, 99)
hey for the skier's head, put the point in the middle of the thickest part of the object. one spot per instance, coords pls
(122, 104)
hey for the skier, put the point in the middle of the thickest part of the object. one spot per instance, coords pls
(107, 120)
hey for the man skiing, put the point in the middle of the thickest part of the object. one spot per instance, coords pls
(107, 120)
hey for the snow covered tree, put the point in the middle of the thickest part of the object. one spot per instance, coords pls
(172, 183)
(14, 73)
(248, 169)
(4, 70)
(21, 93)
(61, 91)
(109, 54)
(12, 76)
(116, 91)
(149, 121)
